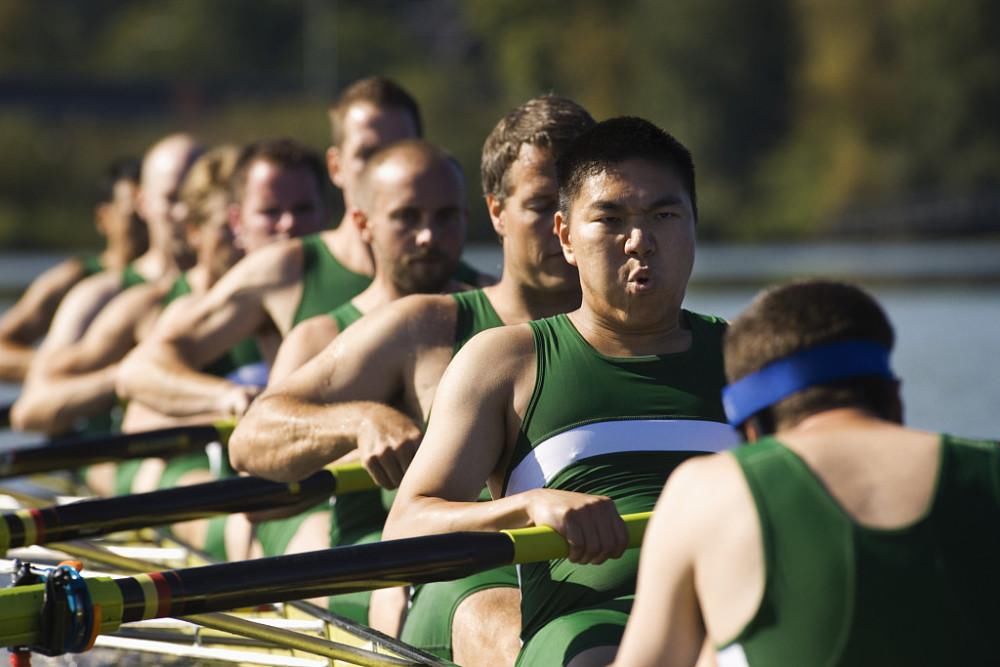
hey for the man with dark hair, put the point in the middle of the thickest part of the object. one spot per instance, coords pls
(839, 537)
(577, 417)
(393, 358)
(118, 222)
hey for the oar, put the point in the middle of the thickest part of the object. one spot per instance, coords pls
(80, 450)
(102, 604)
(88, 518)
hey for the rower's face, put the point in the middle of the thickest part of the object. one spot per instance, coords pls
(278, 203)
(119, 219)
(524, 220)
(630, 233)
(366, 129)
(417, 222)
(159, 196)
(212, 237)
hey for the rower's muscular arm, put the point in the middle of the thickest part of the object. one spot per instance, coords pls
(666, 625)
(27, 320)
(163, 371)
(79, 380)
(319, 413)
(304, 342)
(477, 413)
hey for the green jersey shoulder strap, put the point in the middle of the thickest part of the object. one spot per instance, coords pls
(326, 283)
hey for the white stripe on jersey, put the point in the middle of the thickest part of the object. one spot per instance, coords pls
(549, 457)
(732, 656)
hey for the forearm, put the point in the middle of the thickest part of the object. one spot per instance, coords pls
(15, 358)
(55, 405)
(287, 439)
(425, 515)
(163, 381)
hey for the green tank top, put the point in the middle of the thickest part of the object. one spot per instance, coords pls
(354, 515)
(131, 277)
(345, 315)
(838, 593)
(612, 426)
(91, 264)
(242, 354)
(475, 313)
(326, 283)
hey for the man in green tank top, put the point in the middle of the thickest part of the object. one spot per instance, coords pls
(574, 419)
(62, 353)
(411, 213)
(116, 219)
(372, 388)
(839, 537)
(275, 289)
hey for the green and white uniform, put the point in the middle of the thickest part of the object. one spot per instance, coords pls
(326, 283)
(838, 593)
(611, 426)
(432, 607)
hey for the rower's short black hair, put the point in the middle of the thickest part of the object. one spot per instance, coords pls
(787, 319)
(614, 141)
(121, 169)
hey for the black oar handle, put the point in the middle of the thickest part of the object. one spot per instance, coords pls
(102, 516)
(5, 414)
(80, 450)
(327, 572)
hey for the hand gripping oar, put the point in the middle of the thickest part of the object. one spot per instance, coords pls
(88, 518)
(80, 450)
(64, 613)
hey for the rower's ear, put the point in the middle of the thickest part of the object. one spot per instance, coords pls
(359, 218)
(333, 166)
(235, 221)
(495, 207)
(561, 227)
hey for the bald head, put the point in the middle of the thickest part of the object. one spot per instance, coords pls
(163, 170)
(398, 162)
(412, 213)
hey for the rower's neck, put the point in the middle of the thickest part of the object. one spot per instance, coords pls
(665, 334)
(347, 246)
(157, 263)
(516, 302)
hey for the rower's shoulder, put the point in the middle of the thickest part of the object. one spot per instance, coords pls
(508, 348)
(277, 262)
(421, 317)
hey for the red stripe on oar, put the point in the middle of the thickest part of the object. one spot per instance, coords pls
(163, 594)
(36, 516)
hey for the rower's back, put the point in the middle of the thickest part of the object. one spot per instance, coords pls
(879, 548)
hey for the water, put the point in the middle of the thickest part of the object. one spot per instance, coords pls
(943, 299)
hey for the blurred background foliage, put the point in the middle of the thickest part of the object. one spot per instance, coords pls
(807, 118)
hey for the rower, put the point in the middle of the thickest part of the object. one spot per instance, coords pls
(392, 360)
(576, 418)
(163, 169)
(282, 285)
(410, 211)
(116, 219)
(840, 537)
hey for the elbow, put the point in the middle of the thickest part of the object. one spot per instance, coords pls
(32, 413)
(248, 454)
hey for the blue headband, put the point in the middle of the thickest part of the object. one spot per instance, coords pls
(813, 366)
